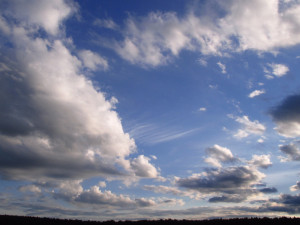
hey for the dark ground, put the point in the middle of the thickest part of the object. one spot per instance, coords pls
(22, 220)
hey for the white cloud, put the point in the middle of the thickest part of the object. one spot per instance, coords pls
(92, 60)
(249, 127)
(295, 187)
(277, 70)
(202, 61)
(143, 168)
(218, 154)
(202, 109)
(256, 25)
(256, 93)
(30, 188)
(106, 23)
(59, 125)
(222, 67)
(49, 15)
(262, 161)
(173, 190)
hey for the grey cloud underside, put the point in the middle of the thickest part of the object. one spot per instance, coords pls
(288, 110)
(223, 180)
(287, 116)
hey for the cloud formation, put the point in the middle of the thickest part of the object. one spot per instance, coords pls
(256, 93)
(262, 161)
(248, 127)
(277, 70)
(292, 152)
(55, 123)
(287, 116)
(228, 184)
(218, 155)
(262, 26)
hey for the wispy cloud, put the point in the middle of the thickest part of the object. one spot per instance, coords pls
(256, 93)
(153, 134)
(222, 67)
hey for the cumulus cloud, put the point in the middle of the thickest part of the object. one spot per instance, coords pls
(256, 93)
(55, 123)
(142, 167)
(48, 15)
(218, 155)
(277, 70)
(72, 192)
(262, 161)
(295, 187)
(257, 25)
(94, 196)
(287, 116)
(248, 127)
(225, 180)
(92, 60)
(228, 184)
(30, 188)
(292, 152)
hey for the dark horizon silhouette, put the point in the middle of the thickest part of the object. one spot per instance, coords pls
(28, 220)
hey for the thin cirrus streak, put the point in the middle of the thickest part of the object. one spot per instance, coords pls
(153, 134)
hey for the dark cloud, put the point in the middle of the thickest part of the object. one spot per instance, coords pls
(287, 116)
(288, 110)
(222, 180)
(227, 198)
(292, 152)
(268, 190)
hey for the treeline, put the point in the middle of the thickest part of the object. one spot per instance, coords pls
(25, 220)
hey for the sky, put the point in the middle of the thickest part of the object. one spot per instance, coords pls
(129, 109)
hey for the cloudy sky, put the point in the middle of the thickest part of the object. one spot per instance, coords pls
(130, 109)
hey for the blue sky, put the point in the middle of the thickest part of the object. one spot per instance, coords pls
(150, 109)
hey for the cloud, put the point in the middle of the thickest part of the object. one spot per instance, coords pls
(249, 127)
(225, 180)
(202, 109)
(92, 60)
(287, 116)
(48, 15)
(256, 93)
(222, 67)
(218, 155)
(30, 188)
(277, 70)
(268, 190)
(55, 123)
(106, 23)
(262, 26)
(292, 151)
(173, 190)
(94, 196)
(295, 187)
(285, 203)
(142, 167)
(228, 184)
(202, 62)
(153, 134)
(262, 161)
